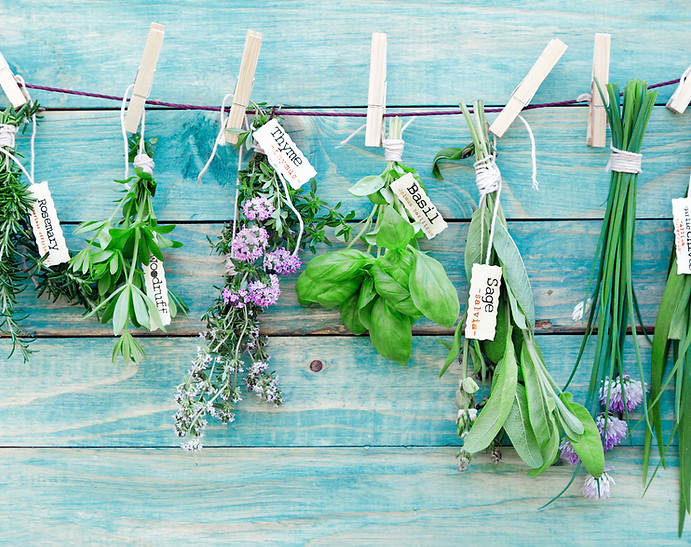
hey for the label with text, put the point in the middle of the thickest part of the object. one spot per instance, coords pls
(483, 302)
(157, 289)
(283, 155)
(46, 226)
(411, 194)
(681, 210)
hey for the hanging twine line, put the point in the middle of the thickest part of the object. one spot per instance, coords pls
(622, 161)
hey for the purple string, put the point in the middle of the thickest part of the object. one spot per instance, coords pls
(316, 113)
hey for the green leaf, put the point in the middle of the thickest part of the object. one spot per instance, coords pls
(432, 291)
(514, 272)
(550, 449)
(478, 238)
(492, 417)
(588, 446)
(495, 349)
(140, 311)
(397, 295)
(120, 314)
(367, 292)
(367, 185)
(390, 332)
(337, 265)
(349, 314)
(540, 417)
(454, 348)
(395, 232)
(338, 292)
(450, 154)
(519, 430)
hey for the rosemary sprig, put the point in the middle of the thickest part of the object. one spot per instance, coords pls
(16, 205)
(115, 257)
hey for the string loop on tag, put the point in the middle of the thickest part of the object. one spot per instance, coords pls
(622, 161)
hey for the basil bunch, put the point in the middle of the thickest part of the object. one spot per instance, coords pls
(383, 293)
(524, 402)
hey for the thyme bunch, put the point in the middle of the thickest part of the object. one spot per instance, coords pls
(257, 250)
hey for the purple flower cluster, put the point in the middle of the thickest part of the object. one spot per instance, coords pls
(249, 243)
(258, 208)
(597, 489)
(613, 433)
(567, 453)
(624, 392)
(259, 293)
(282, 262)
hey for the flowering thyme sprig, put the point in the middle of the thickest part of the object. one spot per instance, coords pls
(256, 253)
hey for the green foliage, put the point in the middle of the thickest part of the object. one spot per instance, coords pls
(382, 293)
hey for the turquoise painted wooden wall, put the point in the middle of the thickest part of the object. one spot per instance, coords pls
(363, 451)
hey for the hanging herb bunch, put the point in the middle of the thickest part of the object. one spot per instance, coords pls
(262, 245)
(673, 331)
(16, 204)
(385, 288)
(118, 255)
(524, 402)
(611, 295)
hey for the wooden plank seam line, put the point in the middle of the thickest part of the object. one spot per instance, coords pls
(145, 77)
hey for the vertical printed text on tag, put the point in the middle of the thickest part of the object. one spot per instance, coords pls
(483, 302)
(157, 289)
(411, 194)
(681, 209)
(46, 226)
(283, 155)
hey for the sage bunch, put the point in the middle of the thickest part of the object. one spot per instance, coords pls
(524, 402)
(386, 287)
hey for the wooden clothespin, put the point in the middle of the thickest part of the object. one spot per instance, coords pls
(145, 77)
(243, 88)
(681, 97)
(525, 91)
(10, 86)
(376, 101)
(596, 133)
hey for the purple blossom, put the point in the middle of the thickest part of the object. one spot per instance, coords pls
(568, 454)
(264, 294)
(632, 393)
(614, 433)
(597, 489)
(238, 299)
(249, 243)
(258, 208)
(282, 262)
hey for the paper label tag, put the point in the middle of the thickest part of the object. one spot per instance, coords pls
(418, 204)
(681, 209)
(157, 288)
(46, 226)
(483, 301)
(283, 155)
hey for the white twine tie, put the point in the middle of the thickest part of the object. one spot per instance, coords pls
(350, 137)
(622, 161)
(488, 180)
(7, 133)
(393, 148)
(142, 159)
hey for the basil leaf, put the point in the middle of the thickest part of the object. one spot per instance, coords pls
(520, 432)
(365, 314)
(398, 264)
(395, 232)
(367, 185)
(432, 291)
(308, 288)
(338, 292)
(514, 272)
(398, 296)
(492, 417)
(367, 292)
(390, 332)
(349, 314)
(337, 265)
(588, 446)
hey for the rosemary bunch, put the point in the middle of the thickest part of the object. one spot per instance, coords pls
(116, 255)
(383, 293)
(257, 250)
(16, 204)
(524, 401)
(610, 289)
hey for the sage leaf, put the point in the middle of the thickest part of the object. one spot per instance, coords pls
(520, 432)
(550, 449)
(493, 416)
(540, 416)
(478, 236)
(432, 291)
(588, 445)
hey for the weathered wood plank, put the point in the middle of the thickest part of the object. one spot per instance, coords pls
(81, 153)
(557, 254)
(318, 52)
(71, 395)
(344, 496)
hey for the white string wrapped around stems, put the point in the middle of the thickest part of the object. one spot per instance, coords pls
(142, 159)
